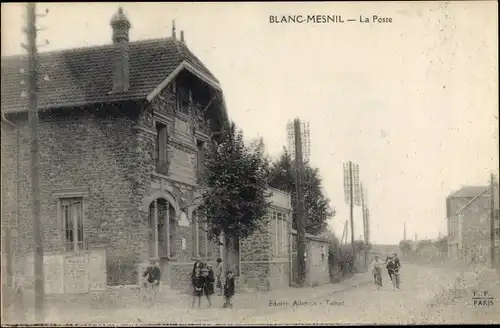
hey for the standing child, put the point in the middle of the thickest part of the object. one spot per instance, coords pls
(229, 290)
(208, 282)
(152, 282)
(153, 273)
(197, 283)
(218, 274)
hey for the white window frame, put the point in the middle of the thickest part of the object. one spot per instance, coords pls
(279, 219)
(78, 245)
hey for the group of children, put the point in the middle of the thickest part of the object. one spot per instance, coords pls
(203, 279)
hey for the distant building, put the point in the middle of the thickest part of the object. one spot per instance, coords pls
(383, 250)
(468, 216)
(317, 265)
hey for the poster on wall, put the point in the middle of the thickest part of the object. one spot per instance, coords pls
(76, 277)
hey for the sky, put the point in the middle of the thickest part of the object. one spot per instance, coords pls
(414, 102)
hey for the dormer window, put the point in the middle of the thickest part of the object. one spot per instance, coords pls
(184, 99)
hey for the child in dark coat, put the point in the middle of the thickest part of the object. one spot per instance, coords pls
(197, 284)
(229, 290)
(208, 282)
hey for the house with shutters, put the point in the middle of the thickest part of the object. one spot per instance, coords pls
(122, 133)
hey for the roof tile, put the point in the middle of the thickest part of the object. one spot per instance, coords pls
(84, 75)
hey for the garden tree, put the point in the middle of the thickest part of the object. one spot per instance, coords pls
(317, 209)
(442, 245)
(333, 250)
(406, 246)
(421, 244)
(235, 189)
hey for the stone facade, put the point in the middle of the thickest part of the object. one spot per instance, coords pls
(83, 156)
(105, 158)
(469, 227)
(265, 255)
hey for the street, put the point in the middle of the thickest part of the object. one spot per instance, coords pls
(365, 304)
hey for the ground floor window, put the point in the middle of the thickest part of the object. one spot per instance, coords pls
(72, 219)
(279, 221)
(202, 246)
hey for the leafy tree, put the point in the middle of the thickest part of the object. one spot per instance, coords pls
(406, 246)
(421, 244)
(317, 209)
(442, 245)
(235, 194)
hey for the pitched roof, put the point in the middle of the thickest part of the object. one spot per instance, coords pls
(83, 76)
(469, 192)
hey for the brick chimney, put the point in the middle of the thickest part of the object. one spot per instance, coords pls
(120, 25)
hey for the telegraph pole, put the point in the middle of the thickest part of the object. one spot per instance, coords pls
(31, 47)
(492, 220)
(301, 237)
(364, 223)
(367, 215)
(351, 204)
(404, 231)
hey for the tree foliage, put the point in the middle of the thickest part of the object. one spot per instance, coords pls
(406, 246)
(235, 196)
(442, 245)
(421, 244)
(317, 209)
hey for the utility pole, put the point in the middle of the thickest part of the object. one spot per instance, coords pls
(364, 223)
(6, 270)
(367, 216)
(31, 31)
(404, 231)
(351, 204)
(492, 220)
(301, 236)
(344, 233)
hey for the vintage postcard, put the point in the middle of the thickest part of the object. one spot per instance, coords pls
(242, 163)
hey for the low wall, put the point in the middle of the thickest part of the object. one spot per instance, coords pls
(71, 273)
(254, 276)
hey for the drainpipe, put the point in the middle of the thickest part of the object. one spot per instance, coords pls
(17, 179)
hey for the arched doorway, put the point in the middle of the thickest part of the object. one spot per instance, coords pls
(162, 226)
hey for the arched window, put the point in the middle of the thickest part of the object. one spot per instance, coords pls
(162, 239)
